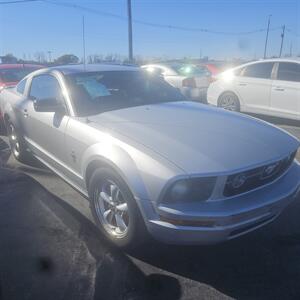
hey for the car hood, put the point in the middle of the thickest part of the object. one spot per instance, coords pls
(198, 138)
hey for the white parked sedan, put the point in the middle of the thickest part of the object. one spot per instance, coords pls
(268, 87)
(190, 79)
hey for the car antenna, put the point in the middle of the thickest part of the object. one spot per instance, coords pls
(83, 43)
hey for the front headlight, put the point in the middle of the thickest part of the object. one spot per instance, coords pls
(190, 190)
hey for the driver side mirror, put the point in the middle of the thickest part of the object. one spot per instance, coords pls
(48, 105)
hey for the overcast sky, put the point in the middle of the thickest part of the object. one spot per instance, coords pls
(38, 26)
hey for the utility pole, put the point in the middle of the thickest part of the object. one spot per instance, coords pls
(291, 49)
(83, 41)
(49, 56)
(282, 38)
(267, 36)
(130, 49)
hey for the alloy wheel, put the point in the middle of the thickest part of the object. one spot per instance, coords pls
(228, 102)
(112, 209)
(14, 141)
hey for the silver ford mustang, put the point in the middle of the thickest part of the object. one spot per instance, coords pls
(148, 160)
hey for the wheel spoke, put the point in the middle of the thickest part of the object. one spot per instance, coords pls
(113, 190)
(117, 196)
(106, 198)
(120, 223)
(122, 207)
(108, 215)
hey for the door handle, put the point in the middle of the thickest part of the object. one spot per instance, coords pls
(242, 84)
(278, 88)
(25, 113)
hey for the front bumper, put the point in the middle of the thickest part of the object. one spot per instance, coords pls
(228, 218)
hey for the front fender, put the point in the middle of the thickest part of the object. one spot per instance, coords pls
(144, 172)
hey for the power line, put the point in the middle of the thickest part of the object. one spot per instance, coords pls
(292, 32)
(141, 22)
(156, 25)
(18, 1)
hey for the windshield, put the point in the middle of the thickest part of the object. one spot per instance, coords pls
(95, 92)
(14, 75)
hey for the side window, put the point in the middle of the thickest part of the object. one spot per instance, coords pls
(21, 86)
(288, 72)
(259, 70)
(45, 87)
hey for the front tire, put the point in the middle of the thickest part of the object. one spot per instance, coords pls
(114, 209)
(229, 101)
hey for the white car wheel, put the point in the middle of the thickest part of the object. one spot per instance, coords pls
(229, 101)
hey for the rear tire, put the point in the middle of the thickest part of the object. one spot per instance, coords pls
(115, 210)
(17, 145)
(229, 101)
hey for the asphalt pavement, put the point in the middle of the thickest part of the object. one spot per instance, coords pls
(50, 249)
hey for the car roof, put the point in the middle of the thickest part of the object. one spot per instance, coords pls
(289, 59)
(19, 66)
(80, 68)
(169, 64)
(285, 59)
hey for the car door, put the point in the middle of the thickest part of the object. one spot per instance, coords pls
(253, 86)
(285, 94)
(45, 131)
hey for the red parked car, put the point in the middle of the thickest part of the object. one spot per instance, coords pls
(214, 70)
(10, 75)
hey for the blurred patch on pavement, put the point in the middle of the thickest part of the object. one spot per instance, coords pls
(4, 152)
(49, 250)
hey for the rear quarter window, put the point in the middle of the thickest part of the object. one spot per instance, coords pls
(288, 72)
(259, 70)
(21, 86)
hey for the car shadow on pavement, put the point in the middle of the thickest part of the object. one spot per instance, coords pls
(51, 251)
(264, 264)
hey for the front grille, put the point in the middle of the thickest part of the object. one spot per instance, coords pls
(246, 181)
